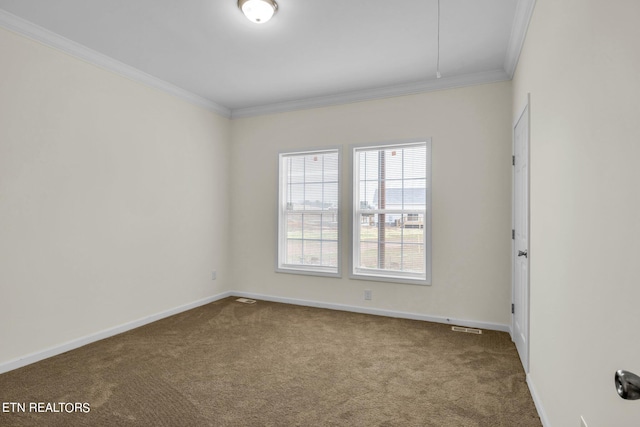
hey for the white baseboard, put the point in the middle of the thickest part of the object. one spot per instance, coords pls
(377, 312)
(59, 349)
(536, 400)
(79, 342)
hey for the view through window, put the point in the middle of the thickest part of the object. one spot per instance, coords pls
(390, 223)
(309, 232)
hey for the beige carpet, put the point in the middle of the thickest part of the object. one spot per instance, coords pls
(269, 364)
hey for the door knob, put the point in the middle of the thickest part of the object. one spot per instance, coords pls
(628, 385)
(523, 253)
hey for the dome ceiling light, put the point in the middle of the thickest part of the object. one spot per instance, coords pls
(258, 11)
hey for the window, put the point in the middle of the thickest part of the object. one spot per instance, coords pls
(309, 213)
(391, 212)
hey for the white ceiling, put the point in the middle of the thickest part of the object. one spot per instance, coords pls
(311, 52)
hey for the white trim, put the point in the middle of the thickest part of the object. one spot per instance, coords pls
(375, 311)
(518, 115)
(358, 273)
(88, 339)
(30, 30)
(524, 12)
(377, 93)
(525, 109)
(513, 227)
(281, 242)
(79, 342)
(536, 401)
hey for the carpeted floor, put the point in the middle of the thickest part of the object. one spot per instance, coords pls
(270, 364)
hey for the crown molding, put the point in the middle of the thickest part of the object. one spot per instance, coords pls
(28, 29)
(524, 12)
(377, 93)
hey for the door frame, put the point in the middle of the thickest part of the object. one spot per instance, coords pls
(526, 109)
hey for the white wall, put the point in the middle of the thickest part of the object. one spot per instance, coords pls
(581, 65)
(471, 197)
(113, 199)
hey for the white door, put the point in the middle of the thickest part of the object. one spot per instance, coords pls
(521, 256)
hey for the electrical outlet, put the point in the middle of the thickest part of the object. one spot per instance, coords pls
(367, 294)
(214, 275)
(583, 423)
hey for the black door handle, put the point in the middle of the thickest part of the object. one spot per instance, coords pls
(628, 385)
(523, 253)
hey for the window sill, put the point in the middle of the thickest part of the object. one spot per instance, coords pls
(391, 279)
(308, 272)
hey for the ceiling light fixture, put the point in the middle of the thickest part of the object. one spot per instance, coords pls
(258, 11)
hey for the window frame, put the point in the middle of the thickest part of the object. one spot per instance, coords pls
(357, 273)
(281, 238)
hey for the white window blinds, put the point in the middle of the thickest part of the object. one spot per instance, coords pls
(309, 212)
(391, 212)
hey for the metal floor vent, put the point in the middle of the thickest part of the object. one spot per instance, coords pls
(246, 300)
(467, 330)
